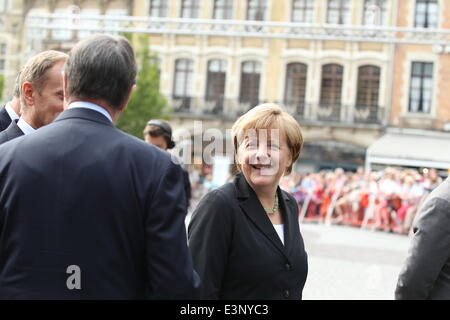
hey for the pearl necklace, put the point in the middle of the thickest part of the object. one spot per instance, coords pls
(275, 206)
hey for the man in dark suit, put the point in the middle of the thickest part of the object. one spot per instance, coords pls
(426, 273)
(11, 110)
(87, 211)
(41, 94)
(11, 132)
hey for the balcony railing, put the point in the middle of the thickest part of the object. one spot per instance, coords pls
(236, 28)
(314, 113)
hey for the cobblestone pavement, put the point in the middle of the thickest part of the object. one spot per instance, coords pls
(347, 263)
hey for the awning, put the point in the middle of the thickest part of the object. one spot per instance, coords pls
(411, 148)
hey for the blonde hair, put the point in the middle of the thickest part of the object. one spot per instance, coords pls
(269, 116)
(35, 71)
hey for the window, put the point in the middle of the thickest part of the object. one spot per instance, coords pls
(302, 11)
(426, 14)
(2, 49)
(183, 78)
(257, 10)
(250, 76)
(2, 65)
(61, 34)
(88, 23)
(2, 5)
(223, 9)
(375, 13)
(190, 9)
(338, 12)
(158, 8)
(115, 23)
(330, 92)
(33, 32)
(294, 93)
(331, 84)
(421, 88)
(368, 86)
(215, 87)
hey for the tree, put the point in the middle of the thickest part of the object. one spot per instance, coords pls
(146, 101)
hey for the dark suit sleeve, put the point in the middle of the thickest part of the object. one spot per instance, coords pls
(428, 252)
(169, 264)
(187, 187)
(210, 232)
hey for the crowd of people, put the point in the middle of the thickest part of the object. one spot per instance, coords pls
(379, 200)
(384, 200)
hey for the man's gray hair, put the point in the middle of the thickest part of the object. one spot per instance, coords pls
(101, 67)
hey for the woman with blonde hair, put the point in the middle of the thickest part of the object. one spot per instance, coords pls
(244, 237)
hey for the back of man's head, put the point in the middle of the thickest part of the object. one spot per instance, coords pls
(35, 71)
(101, 67)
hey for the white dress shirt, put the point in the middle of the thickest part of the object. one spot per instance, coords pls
(279, 228)
(25, 127)
(11, 113)
(92, 106)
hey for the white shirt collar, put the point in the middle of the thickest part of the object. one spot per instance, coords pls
(25, 127)
(12, 114)
(92, 106)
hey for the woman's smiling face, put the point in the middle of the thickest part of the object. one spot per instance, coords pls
(263, 156)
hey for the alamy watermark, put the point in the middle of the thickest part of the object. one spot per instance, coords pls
(199, 146)
(74, 280)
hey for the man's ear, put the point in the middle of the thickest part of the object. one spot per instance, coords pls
(64, 78)
(28, 91)
(122, 107)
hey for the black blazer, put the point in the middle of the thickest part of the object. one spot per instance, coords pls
(81, 192)
(5, 120)
(13, 131)
(238, 253)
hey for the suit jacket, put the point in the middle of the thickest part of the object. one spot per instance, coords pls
(238, 253)
(426, 273)
(5, 120)
(13, 131)
(79, 192)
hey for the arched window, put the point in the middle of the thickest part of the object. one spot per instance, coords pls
(184, 69)
(295, 89)
(216, 77)
(331, 86)
(250, 77)
(331, 92)
(368, 86)
(366, 109)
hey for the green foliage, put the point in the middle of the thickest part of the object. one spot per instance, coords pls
(146, 101)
